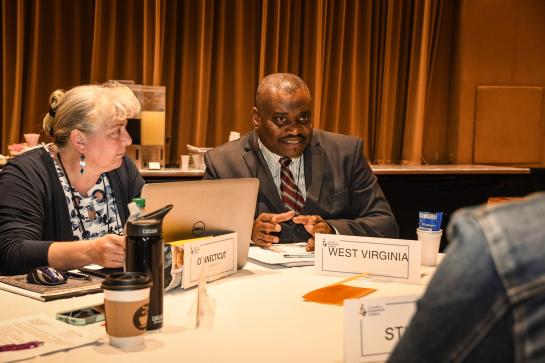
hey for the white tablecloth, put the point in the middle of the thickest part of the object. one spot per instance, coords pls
(260, 317)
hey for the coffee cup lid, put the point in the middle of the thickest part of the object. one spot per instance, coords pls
(121, 281)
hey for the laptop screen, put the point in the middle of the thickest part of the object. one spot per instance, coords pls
(206, 207)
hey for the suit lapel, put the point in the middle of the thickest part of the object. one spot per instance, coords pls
(314, 167)
(259, 169)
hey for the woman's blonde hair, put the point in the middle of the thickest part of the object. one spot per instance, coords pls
(87, 107)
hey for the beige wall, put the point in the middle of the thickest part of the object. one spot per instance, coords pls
(496, 110)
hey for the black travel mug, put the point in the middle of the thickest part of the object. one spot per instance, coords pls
(144, 253)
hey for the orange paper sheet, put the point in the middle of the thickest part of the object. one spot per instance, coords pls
(336, 294)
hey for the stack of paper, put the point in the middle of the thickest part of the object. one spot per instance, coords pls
(289, 255)
(52, 335)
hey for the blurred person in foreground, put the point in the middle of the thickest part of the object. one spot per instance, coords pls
(64, 204)
(486, 301)
(310, 181)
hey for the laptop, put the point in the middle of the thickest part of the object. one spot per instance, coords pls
(206, 207)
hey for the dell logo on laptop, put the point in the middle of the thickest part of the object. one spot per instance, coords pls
(198, 228)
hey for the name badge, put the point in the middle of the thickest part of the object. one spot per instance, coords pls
(219, 254)
(393, 259)
(373, 326)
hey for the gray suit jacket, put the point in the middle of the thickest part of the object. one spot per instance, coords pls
(341, 187)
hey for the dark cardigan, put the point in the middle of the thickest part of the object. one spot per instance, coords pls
(33, 209)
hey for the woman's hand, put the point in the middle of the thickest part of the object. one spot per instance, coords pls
(108, 250)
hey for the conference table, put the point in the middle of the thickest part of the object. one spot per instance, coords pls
(260, 316)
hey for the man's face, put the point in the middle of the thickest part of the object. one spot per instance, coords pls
(284, 124)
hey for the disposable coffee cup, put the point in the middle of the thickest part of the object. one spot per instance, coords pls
(32, 139)
(430, 241)
(198, 161)
(184, 162)
(233, 135)
(126, 301)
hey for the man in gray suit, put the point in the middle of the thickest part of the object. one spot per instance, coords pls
(310, 181)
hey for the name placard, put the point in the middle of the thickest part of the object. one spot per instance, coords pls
(393, 259)
(218, 253)
(373, 326)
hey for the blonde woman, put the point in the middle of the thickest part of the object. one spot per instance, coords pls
(65, 204)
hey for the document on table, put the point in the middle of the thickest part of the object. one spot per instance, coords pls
(54, 334)
(289, 254)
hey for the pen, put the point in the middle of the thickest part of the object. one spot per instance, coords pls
(295, 255)
(78, 275)
(27, 345)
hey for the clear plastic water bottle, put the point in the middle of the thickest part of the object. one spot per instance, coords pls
(141, 204)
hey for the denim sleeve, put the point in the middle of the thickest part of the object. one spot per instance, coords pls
(463, 315)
